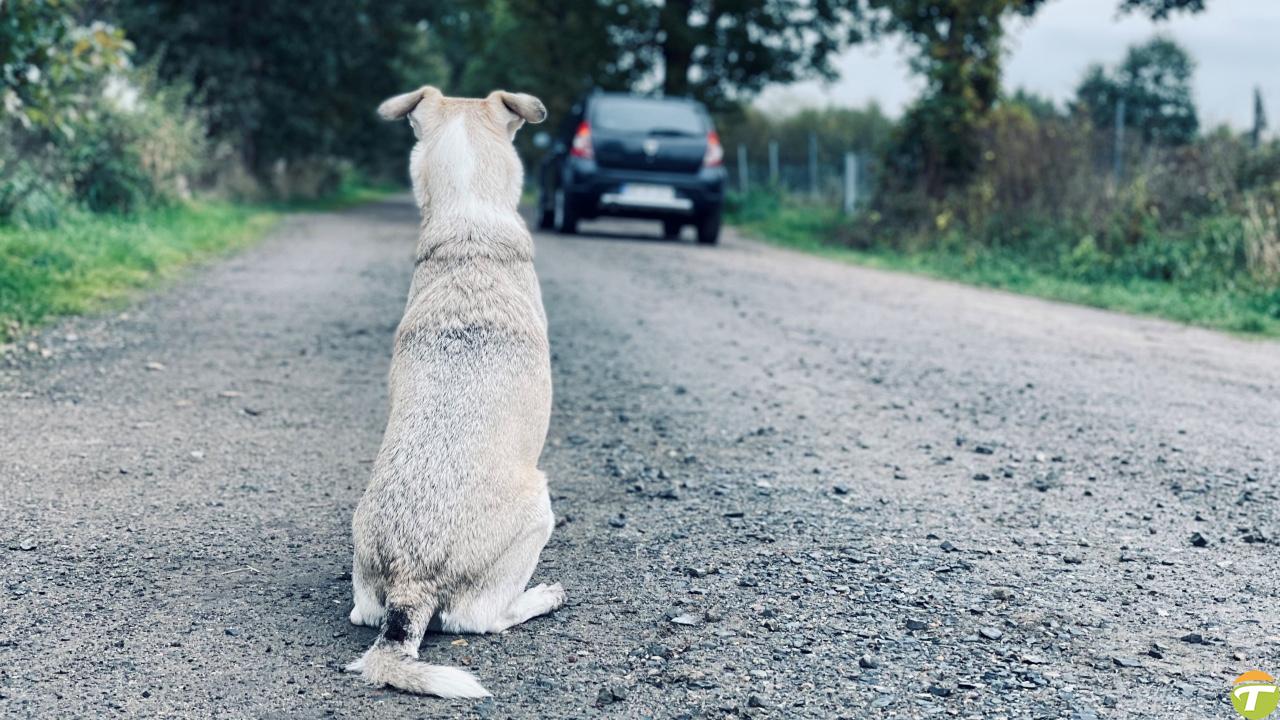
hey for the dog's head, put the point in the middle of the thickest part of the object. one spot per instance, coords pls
(464, 150)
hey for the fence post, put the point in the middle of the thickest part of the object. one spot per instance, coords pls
(1259, 118)
(1118, 160)
(850, 183)
(813, 164)
(773, 163)
(742, 167)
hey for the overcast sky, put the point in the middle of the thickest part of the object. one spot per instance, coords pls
(1236, 45)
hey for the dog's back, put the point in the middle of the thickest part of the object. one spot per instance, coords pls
(456, 511)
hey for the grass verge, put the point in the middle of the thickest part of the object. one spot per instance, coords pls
(1244, 309)
(92, 261)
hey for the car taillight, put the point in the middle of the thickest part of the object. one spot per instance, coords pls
(715, 151)
(582, 142)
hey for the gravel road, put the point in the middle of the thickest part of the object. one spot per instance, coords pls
(786, 488)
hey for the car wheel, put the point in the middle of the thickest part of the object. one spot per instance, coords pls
(565, 215)
(546, 214)
(671, 229)
(709, 229)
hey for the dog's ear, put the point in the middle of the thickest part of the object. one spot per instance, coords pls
(401, 105)
(519, 109)
(527, 107)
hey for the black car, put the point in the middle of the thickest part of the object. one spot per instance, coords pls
(628, 156)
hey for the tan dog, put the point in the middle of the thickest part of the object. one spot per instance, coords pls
(456, 513)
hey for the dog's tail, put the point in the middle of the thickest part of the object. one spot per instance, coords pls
(393, 659)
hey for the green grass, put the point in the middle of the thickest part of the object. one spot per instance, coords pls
(1247, 310)
(92, 261)
(349, 195)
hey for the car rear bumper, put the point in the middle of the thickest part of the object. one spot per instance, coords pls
(596, 191)
(619, 201)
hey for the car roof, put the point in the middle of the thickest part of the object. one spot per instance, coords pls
(640, 96)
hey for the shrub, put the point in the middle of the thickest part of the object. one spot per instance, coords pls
(1203, 213)
(83, 127)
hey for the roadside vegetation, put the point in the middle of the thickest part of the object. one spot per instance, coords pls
(125, 157)
(1150, 215)
(92, 259)
(1038, 267)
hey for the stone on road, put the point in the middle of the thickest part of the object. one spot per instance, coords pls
(762, 466)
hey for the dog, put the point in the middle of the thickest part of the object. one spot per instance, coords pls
(456, 513)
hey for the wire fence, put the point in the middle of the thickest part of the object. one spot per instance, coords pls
(840, 179)
(818, 170)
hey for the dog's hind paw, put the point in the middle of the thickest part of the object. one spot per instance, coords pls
(371, 618)
(555, 594)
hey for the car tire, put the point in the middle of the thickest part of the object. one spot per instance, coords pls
(546, 215)
(564, 214)
(709, 229)
(671, 229)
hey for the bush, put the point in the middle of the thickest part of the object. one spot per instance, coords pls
(1202, 214)
(83, 128)
(28, 198)
(752, 206)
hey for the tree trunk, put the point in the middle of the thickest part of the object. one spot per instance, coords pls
(677, 46)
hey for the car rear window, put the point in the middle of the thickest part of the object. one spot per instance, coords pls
(647, 115)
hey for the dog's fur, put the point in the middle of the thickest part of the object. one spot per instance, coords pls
(456, 512)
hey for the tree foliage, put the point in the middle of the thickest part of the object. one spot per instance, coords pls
(1154, 82)
(1161, 9)
(723, 50)
(836, 130)
(957, 48)
(82, 126)
(1039, 106)
(554, 50)
(284, 80)
(719, 51)
(53, 66)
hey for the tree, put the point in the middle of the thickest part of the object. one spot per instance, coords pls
(283, 79)
(836, 130)
(1259, 118)
(726, 50)
(1039, 106)
(719, 51)
(554, 50)
(1162, 9)
(1154, 82)
(957, 49)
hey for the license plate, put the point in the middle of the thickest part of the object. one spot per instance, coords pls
(636, 191)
